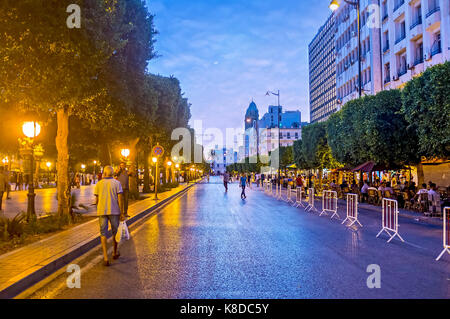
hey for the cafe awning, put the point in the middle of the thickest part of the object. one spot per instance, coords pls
(292, 166)
(366, 167)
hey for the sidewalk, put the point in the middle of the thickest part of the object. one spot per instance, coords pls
(21, 268)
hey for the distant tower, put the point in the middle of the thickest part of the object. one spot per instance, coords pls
(251, 127)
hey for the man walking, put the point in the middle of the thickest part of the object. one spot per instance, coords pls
(243, 184)
(226, 179)
(124, 178)
(109, 201)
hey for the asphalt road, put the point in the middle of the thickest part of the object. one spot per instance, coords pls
(208, 244)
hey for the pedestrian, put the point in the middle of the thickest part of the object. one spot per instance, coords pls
(243, 183)
(8, 185)
(226, 179)
(123, 176)
(109, 201)
(2, 185)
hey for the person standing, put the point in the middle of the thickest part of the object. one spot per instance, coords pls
(243, 184)
(2, 185)
(8, 184)
(123, 177)
(226, 179)
(109, 201)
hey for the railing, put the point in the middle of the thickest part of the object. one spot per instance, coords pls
(402, 71)
(418, 60)
(385, 16)
(387, 80)
(398, 5)
(386, 47)
(436, 9)
(400, 39)
(416, 23)
(436, 49)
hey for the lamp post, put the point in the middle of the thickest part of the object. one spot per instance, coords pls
(155, 160)
(49, 165)
(334, 5)
(31, 130)
(170, 172)
(95, 170)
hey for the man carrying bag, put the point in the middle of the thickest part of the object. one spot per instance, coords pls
(110, 207)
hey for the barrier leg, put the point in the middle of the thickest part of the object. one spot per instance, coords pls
(335, 214)
(442, 254)
(396, 234)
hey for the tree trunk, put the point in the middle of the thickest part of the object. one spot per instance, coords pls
(105, 155)
(62, 165)
(146, 171)
(420, 175)
(134, 190)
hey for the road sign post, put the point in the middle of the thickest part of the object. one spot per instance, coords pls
(157, 152)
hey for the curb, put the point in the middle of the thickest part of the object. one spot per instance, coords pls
(40, 272)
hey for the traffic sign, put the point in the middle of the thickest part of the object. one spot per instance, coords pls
(158, 151)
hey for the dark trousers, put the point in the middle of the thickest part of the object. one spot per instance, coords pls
(226, 186)
(1, 199)
(243, 191)
(126, 194)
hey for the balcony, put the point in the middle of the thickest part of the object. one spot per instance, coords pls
(402, 71)
(436, 49)
(432, 11)
(398, 5)
(416, 23)
(400, 38)
(433, 19)
(418, 60)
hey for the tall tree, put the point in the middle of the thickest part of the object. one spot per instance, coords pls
(52, 68)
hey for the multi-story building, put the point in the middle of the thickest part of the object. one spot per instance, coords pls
(415, 36)
(322, 72)
(347, 72)
(399, 40)
(262, 135)
(221, 158)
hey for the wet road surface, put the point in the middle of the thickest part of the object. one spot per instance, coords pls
(208, 244)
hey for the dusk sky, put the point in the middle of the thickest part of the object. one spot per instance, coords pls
(226, 52)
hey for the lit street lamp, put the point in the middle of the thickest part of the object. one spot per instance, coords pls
(31, 130)
(334, 5)
(95, 170)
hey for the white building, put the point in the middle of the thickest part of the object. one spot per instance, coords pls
(347, 52)
(415, 36)
(221, 158)
(409, 36)
(268, 140)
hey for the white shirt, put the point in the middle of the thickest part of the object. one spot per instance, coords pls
(108, 190)
(364, 188)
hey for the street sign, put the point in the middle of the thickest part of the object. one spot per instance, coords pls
(158, 151)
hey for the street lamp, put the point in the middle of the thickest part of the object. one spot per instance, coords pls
(334, 5)
(125, 152)
(31, 130)
(95, 170)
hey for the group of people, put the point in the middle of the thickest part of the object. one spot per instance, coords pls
(244, 181)
(408, 191)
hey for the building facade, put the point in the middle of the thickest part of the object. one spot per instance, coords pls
(400, 39)
(261, 135)
(322, 72)
(415, 36)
